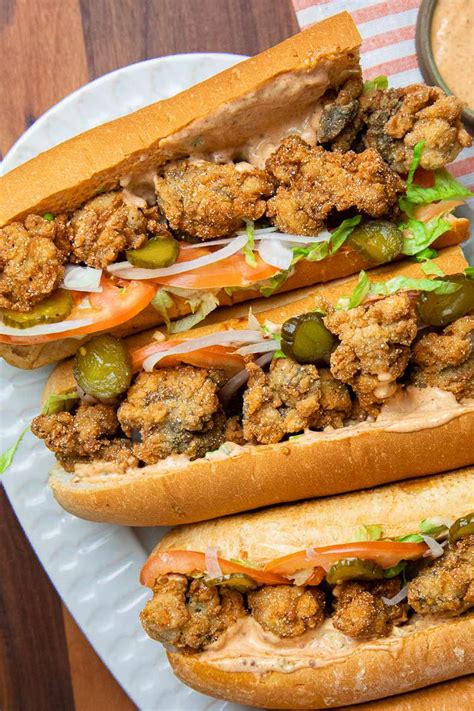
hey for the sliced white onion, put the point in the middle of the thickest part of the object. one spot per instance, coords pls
(261, 347)
(79, 278)
(259, 231)
(302, 576)
(45, 329)
(252, 320)
(396, 598)
(436, 549)
(236, 381)
(128, 271)
(265, 233)
(276, 254)
(213, 568)
(213, 339)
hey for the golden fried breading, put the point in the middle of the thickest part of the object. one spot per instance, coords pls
(446, 588)
(375, 346)
(340, 109)
(360, 611)
(314, 182)
(335, 405)
(395, 120)
(190, 616)
(280, 402)
(174, 411)
(287, 610)
(106, 226)
(207, 200)
(446, 360)
(31, 264)
(86, 434)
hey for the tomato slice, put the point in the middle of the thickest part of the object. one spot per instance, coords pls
(231, 272)
(427, 212)
(219, 357)
(118, 302)
(385, 553)
(186, 562)
(424, 178)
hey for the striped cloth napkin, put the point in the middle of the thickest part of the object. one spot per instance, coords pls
(388, 47)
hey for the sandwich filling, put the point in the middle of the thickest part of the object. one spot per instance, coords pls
(331, 370)
(321, 603)
(159, 238)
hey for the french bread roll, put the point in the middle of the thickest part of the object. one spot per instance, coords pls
(248, 666)
(317, 464)
(248, 108)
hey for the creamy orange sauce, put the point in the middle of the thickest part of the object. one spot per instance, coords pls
(410, 410)
(452, 41)
(246, 646)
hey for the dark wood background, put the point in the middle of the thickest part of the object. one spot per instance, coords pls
(48, 48)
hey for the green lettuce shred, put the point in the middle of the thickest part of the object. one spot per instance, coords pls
(380, 82)
(7, 457)
(60, 403)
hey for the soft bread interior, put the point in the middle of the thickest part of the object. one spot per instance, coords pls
(397, 508)
(264, 97)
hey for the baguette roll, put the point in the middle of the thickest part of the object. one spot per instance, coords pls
(177, 490)
(328, 669)
(243, 113)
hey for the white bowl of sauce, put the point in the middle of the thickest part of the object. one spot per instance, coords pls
(445, 48)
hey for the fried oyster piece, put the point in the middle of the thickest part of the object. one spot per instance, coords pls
(375, 347)
(446, 360)
(31, 261)
(287, 610)
(106, 225)
(189, 615)
(207, 200)
(89, 434)
(280, 402)
(360, 611)
(174, 411)
(393, 121)
(313, 183)
(446, 588)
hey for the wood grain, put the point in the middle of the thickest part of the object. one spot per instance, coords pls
(34, 667)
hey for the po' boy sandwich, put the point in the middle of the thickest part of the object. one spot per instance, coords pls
(335, 388)
(281, 172)
(322, 604)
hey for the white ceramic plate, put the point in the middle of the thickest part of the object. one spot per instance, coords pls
(95, 567)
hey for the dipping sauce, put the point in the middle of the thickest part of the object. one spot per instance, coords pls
(452, 42)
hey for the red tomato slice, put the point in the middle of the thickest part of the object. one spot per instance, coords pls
(220, 357)
(385, 553)
(424, 178)
(231, 272)
(186, 562)
(118, 302)
(427, 212)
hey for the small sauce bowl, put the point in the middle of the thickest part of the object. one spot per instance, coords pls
(426, 59)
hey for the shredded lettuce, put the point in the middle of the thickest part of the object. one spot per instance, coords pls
(248, 250)
(269, 286)
(469, 272)
(360, 292)
(365, 287)
(163, 302)
(380, 82)
(60, 403)
(7, 457)
(201, 304)
(369, 533)
(431, 268)
(292, 438)
(422, 234)
(340, 234)
(432, 528)
(279, 354)
(425, 254)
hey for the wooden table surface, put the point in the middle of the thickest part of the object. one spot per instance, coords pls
(48, 48)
